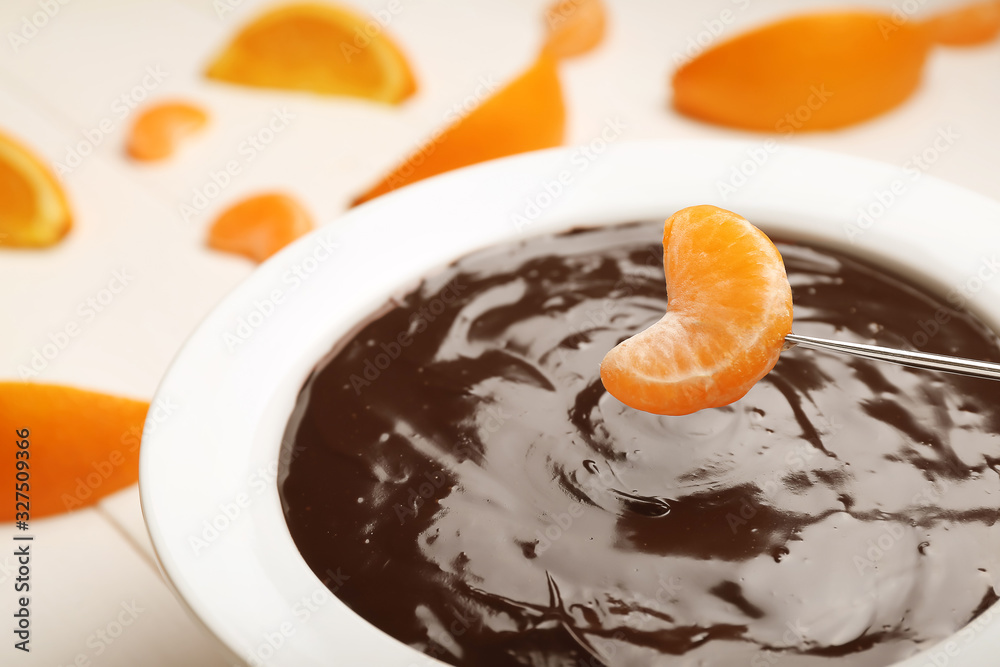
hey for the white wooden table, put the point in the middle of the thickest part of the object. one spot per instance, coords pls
(69, 88)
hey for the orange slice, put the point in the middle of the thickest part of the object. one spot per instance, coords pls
(528, 114)
(574, 27)
(815, 72)
(729, 308)
(318, 48)
(81, 446)
(259, 226)
(973, 24)
(33, 208)
(159, 129)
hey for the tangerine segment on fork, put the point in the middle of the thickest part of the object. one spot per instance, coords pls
(729, 308)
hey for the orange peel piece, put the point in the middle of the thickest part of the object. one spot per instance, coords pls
(729, 308)
(260, 226)
(82, 446)
(159, 129)
(574, 27)
(815, 72)
(822, 71)
(318, 48)
(34, 212)
(971, 25)
(527, 114)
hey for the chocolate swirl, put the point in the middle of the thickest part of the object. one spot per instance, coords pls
(458, 459)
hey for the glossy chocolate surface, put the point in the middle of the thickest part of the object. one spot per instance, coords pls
(458, 475)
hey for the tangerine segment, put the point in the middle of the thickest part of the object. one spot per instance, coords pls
(574, 27)
(528, 114)
(318, 48)
(159, 129)
(33, 207)
(816, 72)
(973, 24)
(260, 226)
(82, 446)
(729, 308)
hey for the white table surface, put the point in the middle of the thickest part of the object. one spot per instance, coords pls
(94, 568)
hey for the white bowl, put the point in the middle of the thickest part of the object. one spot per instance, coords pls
(208, 469)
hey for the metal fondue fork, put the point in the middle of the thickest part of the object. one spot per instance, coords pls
(925, 360)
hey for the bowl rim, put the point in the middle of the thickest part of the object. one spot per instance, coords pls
(208, 470)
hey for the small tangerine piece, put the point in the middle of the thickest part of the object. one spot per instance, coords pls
(816, 72)
(259, 226)
(978, 23)
(574, 27)
(318, 48)
(82, 445)
(729, 308)
(159, 129)
(527, 114)
(33, 207)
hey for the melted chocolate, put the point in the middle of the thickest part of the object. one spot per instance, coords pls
(458, 464)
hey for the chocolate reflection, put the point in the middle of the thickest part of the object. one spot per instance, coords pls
(458, 459)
